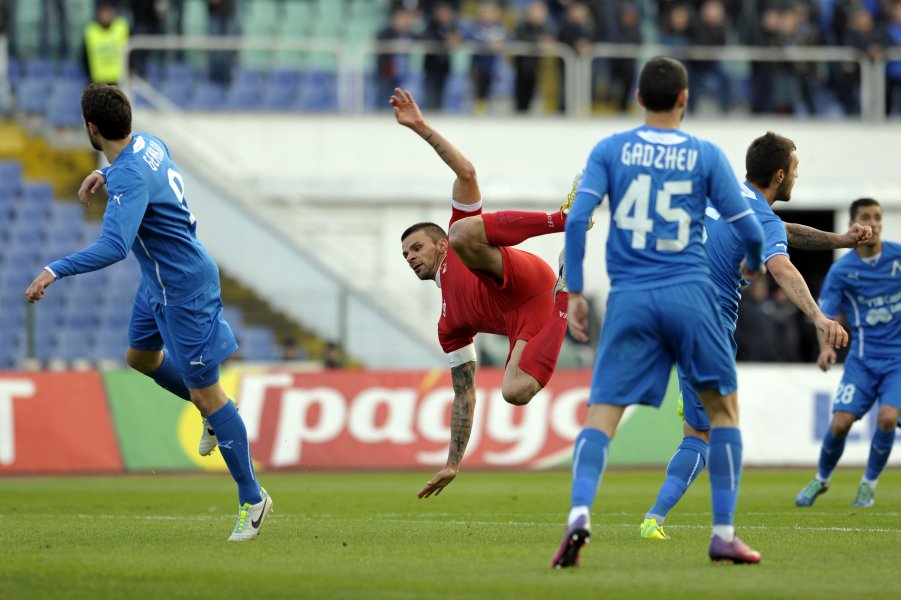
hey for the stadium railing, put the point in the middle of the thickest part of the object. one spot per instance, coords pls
(353, 61)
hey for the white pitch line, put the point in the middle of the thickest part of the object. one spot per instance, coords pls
(478, 522)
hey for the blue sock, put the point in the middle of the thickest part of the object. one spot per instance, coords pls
(232, 437)
(589, 462)
(880, 450)
(684, 467)
(830, 452)
(168, 377)
(725, 472)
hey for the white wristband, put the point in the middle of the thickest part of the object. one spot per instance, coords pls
(462, 356)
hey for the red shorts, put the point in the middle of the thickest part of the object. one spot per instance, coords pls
(526, 295)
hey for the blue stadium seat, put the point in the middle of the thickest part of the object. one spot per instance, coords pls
(39, 68)
(31, 96)
(242, 97)
(178, 72)
(258, 343)
(278, 96)
(233, 316)
(25, 236)
(244, 77)
(64, 106)
(73, 72)
(72, 344)
(11, 174)
(110, 344)
(14, 72)
(38, 192)
(66, 215)
(178, 92)
(207, 96)
(286, 77)
(318, 91)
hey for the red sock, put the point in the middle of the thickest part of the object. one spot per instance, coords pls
(511, 227)
(539, 358)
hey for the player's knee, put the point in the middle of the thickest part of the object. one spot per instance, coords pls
(464, 234)
(143, 362)
(518, 393)
(887, 420)
(841, 424)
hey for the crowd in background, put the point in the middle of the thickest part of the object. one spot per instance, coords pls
(773, 87)
(760, 87)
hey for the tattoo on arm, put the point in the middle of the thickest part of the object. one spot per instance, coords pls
(808, 238)
(443, 153)
(463, 378)
(802, 297)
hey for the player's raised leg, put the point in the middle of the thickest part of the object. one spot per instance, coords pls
(830, 452)
(146, 355)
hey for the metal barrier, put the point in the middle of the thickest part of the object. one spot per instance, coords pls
(351, 61)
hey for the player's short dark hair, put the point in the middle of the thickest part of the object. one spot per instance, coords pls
(107, 107)
(766, 155)
(661, 81)
(861, 203)
(435, 232)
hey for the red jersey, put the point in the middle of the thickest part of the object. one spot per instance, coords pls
(473, 302)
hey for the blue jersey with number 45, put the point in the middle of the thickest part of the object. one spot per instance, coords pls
(658, 182)
(147, 213)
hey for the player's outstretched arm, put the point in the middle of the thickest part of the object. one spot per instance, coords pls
(464, 382)
(807, 238)
(407, 113)
(794, 286)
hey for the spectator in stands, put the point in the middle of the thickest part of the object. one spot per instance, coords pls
(292, 351)
(533, 29)
(442, 27)
(54, 10)
(487, 32)
(802, 30)
(755, 335)
(7, 26)
(627, 30)
(222, 21)
(148, 18)
(860, 33)
(711, 29)
(577, 32)
(770, 87)
(675, 26)
(787, 320)
(175, 23)
(892, 39)
(393, 70)
(105, 42)
(333, 357)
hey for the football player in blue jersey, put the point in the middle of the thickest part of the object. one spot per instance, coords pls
(662, 305)
(177, 305)
(865, 285)
(771, 165)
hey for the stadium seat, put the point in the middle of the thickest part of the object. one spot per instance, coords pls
(72, 344)
(11, 174)
(207, 96)
(25, 236)
(178, 92)
(258, 343)
(110, 344)
(64, 105)
(73, 72)
(38, 192)
(241, 96)
(278, 96)
(66, 215)
(31, 96)
(40, 68)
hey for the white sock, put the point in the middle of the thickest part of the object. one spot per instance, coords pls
(824, 481)
(724, 532)
(869, 482)
(578, 511)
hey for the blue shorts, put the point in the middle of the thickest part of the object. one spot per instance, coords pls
(690, 408)
(194, 333)
(867, 380)
(646, 331)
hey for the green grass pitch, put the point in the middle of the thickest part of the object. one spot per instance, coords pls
(489, 535)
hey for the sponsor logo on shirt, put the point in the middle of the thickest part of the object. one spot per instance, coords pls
(879, 315)
(855, 275)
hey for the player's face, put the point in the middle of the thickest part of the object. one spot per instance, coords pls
(422, 254)
(784, 192)
(95, 139)
(872, 216)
